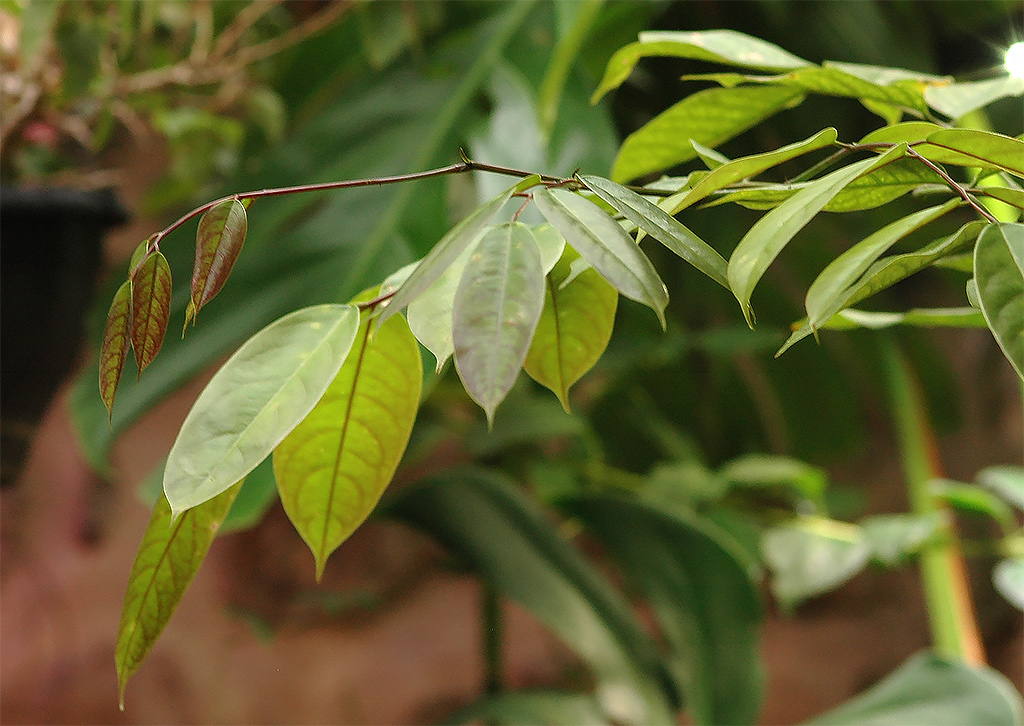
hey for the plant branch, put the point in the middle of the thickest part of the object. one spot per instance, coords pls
(952, 184)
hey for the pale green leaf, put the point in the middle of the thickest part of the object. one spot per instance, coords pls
(497, 306)
(333, 467)
(604, 244)
(851, 318)
(770, 234)
(895, 537)
(550, 244)
(256, 398)
(660, 225)
(574, 327)
(169, 556)
(709, 117)
(958, 99)
(999, 275)
(1007, 481)
(908, 131)
(1008, 577)
(430, 314)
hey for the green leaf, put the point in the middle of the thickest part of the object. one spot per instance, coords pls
(712, 159)
(1008, 577)
(169, 556)
(219, 240)
(930, 690)
(959, 99)
(543, 708)
(851, 318)
(1007, 481)
(482, 517)
(710, 117)
(257, 495)
(974, 148)
(656, 222)
(999, 275)
(604, 244)
(812, 555)
(430, 314)
(497, 306)
(766, 470)
(1013, 197)
(895, 537)
(256, 398)
(974, 499)
(770, 234)
(574, 327)
(699, 583)
(550, 244)
(151, 308)
(912, 132)
(461, 237)
(332, 468)
(827, 293)
(116, 341)
(717, 46)
(746, 167)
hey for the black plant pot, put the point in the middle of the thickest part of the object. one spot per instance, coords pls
(50, 254)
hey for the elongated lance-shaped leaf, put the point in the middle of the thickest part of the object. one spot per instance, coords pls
(744, 168)
(497, 306)
(605, 245)
(139, 254)
(333, 467)
(256, 398)
(958, 99)
(430, 314)
(850, 318)
(550, 244)
(219, 239)
(770, 234)
(574, 327)
(151, 307)
(827, 293)
(974, 148)
(445, 252)
(116, 341)
(999, 274)
(168, 558)
(660, 225)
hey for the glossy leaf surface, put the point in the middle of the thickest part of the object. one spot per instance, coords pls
(958, 99)
(930, 690)
(116, 341)
(660, 225)
(770, 234)
(333, 467)
(219, 240)
(704, 599)
(168, 558)
(574, 327)
(974, 148)
(497, 306)
(151, 308)
(483, 518)
(999, 275)
(604, 244)
(256, 398)
(709, 117)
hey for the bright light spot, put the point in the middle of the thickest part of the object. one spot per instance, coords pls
(1014, 61)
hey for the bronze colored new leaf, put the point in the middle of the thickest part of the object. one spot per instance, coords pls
(116, 339)
(218, 242)
(151, 307)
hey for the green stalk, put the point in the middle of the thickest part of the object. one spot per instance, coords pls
(954, 629)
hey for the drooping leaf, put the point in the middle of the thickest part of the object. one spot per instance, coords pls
(483, 518)
(746, 167)
(604, 244)
(812, 555)
(778, 472)
(543, 708)
(333, 467)
(257, 495)
(770, 234)
(116, 341)
(169, 556)
(151, 308)
(930, 690)
(974, 148)
(1013, 197)
(958, 99)
(895, 537)
(851, 318)
(973, 499)
(256, 398)
(709, 117)
(219, 240)
(1008, 577)
(497, 306)
(574, 327)
(444, 253)
(717, 46)
(825, 294)
(430, 314)
(1007, 481)
(999, 275)
(699, 583)
(660, 225)
(550, 244)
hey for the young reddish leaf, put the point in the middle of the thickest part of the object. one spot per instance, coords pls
(168, 558)
(114, 350)
(574, 327)
(219, 240)
(333, 467)
(141, 253)
(151, 307)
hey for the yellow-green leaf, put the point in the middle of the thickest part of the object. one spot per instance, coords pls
(333, 467)
(151, 307)
(168, 558)
(116, 339)
(574, 329)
